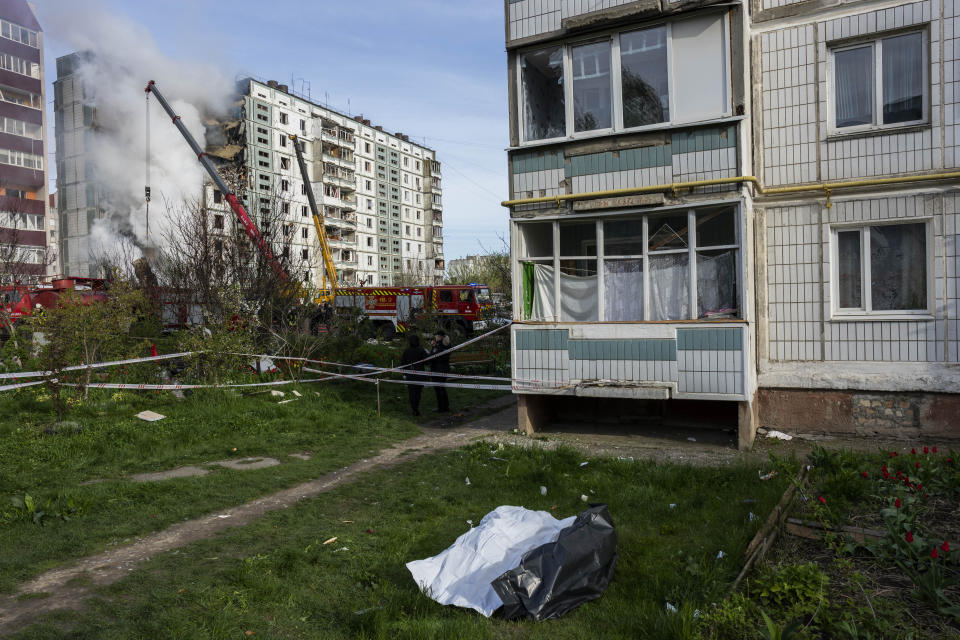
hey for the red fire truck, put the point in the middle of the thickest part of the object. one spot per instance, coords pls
(20, 301)
(460, 308)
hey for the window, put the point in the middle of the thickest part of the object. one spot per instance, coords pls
(283, 118)
(19, 34)
(217, 196)
(21, 128)
(369, 261)
(303, 126)
(304, 255)
(369, 242)
(284, 163)
(419, 232)
(19, 65)
(21, 159)
(366, 147)
(679, 265)
(218, 222)
(408, 246)
(285, 208)
(304, 211)
(881, 269)
(446, 295)
(406, 161)
(304, 233)
(880, 83)
(284, 185)
(674, 72)
(368, 185)
(283, 140)
(366, 167)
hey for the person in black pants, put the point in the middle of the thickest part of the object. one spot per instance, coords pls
(414, 353)
(440, 364)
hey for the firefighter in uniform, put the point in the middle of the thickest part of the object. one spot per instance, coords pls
(414, 354)
(440, 364)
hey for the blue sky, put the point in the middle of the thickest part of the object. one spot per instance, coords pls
(433, 69)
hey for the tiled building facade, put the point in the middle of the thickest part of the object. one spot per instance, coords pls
(779, 285)
(380, 193)
(25, 227)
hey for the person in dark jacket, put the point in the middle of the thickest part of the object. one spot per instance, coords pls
(412, 354)
(440, 364)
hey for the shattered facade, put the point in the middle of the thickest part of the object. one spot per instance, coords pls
(734, 268)
(380, 194)
(26, 230)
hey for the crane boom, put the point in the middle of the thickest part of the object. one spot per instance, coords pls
(248, 225)
(329, 269)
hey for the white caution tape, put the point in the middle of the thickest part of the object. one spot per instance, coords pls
(10, 387)
(99, 365)
(174, 387)
(452, 385)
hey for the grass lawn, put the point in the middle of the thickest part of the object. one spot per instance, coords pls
(53, 463)
(277, 579)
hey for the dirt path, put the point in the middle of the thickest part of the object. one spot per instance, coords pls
(67, 587)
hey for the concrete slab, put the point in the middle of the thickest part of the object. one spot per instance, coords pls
(246, 464)
(179, 472)
(301, 456)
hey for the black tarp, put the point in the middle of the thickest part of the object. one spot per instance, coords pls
(558, 577)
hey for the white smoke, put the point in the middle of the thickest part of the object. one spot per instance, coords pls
(123, 58)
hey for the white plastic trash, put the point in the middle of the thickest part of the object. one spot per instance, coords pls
(461, 575)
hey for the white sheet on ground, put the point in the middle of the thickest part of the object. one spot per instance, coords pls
(461, 575)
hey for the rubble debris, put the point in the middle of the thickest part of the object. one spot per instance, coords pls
(150, 416)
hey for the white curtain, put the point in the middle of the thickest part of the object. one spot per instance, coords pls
(670, 287)
(579, 298)
(623, 290)
(903, 78)
(853, 70)
(717, 285)
(543, 298)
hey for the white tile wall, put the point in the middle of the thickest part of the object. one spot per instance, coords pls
(797, 300)
(536, 184)
(533, 17)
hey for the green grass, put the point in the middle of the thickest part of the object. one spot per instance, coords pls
(339, 427)
(277, 579)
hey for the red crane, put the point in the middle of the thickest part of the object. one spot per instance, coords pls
(248, 225)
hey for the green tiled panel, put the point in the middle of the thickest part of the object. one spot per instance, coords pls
(709, 339)
(542, 339)
(536, 161)
(637, 349)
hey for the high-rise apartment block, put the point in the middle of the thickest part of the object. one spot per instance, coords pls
(745, 209)
(380, 194)
(26, 231)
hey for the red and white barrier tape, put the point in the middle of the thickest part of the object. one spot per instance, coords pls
(98, 365)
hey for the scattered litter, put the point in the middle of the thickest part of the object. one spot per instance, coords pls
(277, 394)
(673, 505)
(470, 522)
(583, 464)
(625, 458)
(751, 516)
(761, 431)
(584, 498)
(296, 393)
(691, 439)
(467, 479)
(778, 435)
(767, 476)
(341, 549)
(720, 554)
(696, 614)
(286, 401)
(331, 540)
(543, 491)
(347, 521)
(496, 458)
(671, 608)
(266, 365)
(226, 515)
(150, 416)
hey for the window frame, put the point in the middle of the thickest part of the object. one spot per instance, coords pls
(866, 311)
(692, 250)
(875, 41)
(616, 80)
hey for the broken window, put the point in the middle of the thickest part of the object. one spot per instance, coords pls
(882, 269)
(218, 222)
(543, 102)
(591, 86)
(643, 76)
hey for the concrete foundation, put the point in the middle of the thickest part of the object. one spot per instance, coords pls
(861, 413)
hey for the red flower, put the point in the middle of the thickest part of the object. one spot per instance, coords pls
(896, 503)
(913, 452)
(926, 449)
(884, 469)
(918, 465)
(893, 454)
(950, 460)
(822, 500)
(919, 487)
(863, 473)
(934, 449)
(933, 554)
(945, 546)
(909, 536)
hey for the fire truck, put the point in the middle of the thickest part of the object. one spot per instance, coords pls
(20, 301)
(459, 308)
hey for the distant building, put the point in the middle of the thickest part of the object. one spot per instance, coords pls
(752, 215)
(79, 193)
(24, 223)
(380, 194)
(458, 265)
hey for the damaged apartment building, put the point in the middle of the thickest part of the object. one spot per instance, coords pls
(744, 211)
(379, 193)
